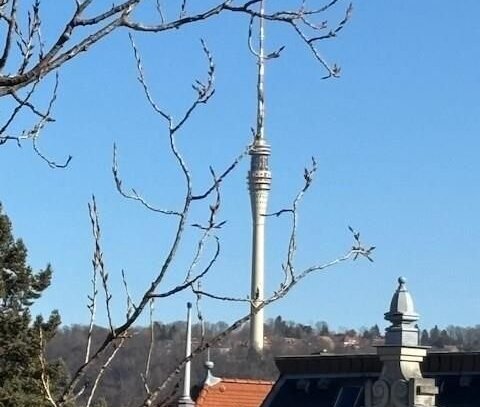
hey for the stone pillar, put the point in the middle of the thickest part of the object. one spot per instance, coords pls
(401, 383)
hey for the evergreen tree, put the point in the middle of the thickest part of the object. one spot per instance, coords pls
(425, 338)
(375, 331)
(279, 326)
(322, 328)
(435, 336)
(20, 337)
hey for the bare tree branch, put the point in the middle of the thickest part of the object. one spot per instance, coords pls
(145, 376)
(134, 195)
(98, 263)
(130, 304)
(92, 306)
(18, 108)
(70, 42)
(101, 372)
(238, 323)
(222, 176)
(11, 29)
(26, 103)
(290, 281)
(190, 282)
(67, 45)
(44, 374)
(204, 92)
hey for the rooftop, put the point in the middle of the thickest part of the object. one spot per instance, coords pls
(234, 393)
(435, 363)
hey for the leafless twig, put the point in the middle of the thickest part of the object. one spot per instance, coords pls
(146, 374)
(32, 60)
(130, 304)
(98, 263)
(44, 374)
(92, 308)
(302, 20)
(101, 372)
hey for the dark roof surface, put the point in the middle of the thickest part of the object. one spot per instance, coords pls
(306, 392)
(435, 362)
(454, 391)
(318, 380)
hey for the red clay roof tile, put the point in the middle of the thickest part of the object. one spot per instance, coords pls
(234, 393)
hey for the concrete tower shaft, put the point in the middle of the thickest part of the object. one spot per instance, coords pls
(259, 180)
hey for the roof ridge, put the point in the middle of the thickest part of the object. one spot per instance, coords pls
(245, 381)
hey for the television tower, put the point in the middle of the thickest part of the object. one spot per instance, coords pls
(259, 180)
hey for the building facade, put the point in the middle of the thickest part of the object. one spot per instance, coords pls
(400, 374)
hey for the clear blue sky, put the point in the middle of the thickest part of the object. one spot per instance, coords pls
(396, 138)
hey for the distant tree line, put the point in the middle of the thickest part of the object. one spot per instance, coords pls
(231, 356)
(452, 337)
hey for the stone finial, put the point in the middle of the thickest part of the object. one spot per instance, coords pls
(210, 379)
(401, 383)
(402, 315)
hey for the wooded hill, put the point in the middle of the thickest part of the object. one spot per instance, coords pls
(122, 385)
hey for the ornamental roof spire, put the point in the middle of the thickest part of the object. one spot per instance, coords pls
(402, 315)
(210, 379)
(401, 383)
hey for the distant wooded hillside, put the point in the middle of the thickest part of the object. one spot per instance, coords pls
(122, 385)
